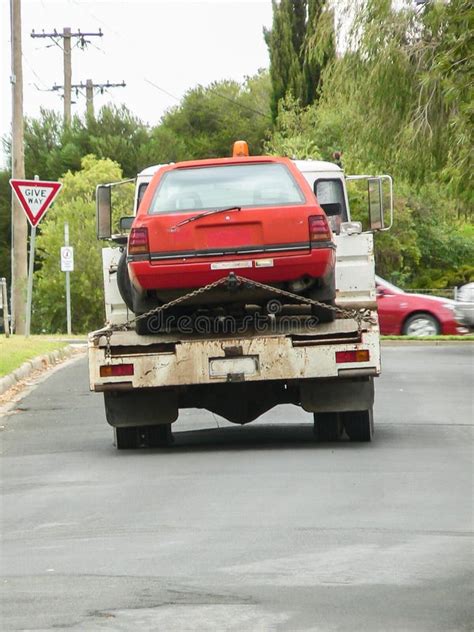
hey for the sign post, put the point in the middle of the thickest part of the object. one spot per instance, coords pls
(67, 266)
(29, 291)
(4, 306)
(35, 197)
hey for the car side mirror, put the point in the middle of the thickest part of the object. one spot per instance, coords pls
(126, 223)
(375, 195)
(103, 202)
(332, 208)
(381, 292)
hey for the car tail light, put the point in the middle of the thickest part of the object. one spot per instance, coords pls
(319, 228)
(358, 355)
(116, 370)
(138, 241)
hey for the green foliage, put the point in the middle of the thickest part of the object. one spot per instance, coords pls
(399, 100)
(5, 226)
(51, 149)
(209, 120)
(117, 134)
(300, 44)
(293, 132)
(75, 204)
(401, 96)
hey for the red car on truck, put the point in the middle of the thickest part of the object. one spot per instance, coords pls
(200, 220)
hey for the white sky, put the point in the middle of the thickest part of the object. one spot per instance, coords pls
(174, 44)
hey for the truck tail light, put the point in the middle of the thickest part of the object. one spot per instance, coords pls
(358, 355)
(116, 370)
(319, 228)
(138, 241)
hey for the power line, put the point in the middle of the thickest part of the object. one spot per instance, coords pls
(155, 85)
(218, 94)
(66, 36)
(89, 86)
(240, 105)
(161, 89)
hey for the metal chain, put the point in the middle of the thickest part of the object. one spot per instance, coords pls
(360, 316)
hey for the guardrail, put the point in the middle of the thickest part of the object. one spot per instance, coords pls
(449, 292)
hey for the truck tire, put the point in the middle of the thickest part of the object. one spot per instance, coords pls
(359, 425)
(128, 438)
(327, 426)
(158, 436)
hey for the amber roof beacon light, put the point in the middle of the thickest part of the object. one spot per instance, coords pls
(240, 148)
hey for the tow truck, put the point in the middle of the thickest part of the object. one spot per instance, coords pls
(239, 371)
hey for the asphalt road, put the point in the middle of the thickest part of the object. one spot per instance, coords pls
(244, 529)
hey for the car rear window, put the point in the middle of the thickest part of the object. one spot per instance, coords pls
(206, 188)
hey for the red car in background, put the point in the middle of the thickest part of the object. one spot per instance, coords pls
(401, 313)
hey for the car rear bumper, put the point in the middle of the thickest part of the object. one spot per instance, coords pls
(270, 268)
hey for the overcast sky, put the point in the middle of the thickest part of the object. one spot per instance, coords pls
(174, 44)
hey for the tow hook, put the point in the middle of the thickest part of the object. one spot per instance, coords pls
(233, 282)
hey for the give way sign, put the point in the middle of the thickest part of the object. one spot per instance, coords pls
(35, 197)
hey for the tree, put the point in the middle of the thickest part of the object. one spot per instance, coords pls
(117, 134)
(75, 204)
(300, 43)
(5, 226)
(402, 93)
(51, 149)
(293, 133)
(209, 119)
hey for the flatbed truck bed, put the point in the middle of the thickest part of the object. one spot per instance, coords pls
(327, 369)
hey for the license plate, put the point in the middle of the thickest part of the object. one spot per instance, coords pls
(231, 265)
(244, 365)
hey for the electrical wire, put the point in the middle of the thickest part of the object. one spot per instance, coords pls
(33, 70)
(155, 85)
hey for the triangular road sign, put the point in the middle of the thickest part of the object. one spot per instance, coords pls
(35, 196)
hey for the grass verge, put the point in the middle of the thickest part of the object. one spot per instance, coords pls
(466, 338)
(17, 349)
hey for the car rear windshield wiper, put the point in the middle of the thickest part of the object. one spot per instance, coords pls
(205, 214)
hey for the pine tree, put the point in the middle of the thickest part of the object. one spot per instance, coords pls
(300, 43)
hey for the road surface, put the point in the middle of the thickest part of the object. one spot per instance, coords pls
(244, 529)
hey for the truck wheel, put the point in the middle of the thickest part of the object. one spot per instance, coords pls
(128, 438)
(359, 425)
(327, 426)
(158, 436)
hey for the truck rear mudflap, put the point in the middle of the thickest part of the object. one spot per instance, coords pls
(128, 361)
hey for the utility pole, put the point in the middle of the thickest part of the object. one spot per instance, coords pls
(67, 35)
(19, 225)
(67, 75)
(89, 87)
(90, 98)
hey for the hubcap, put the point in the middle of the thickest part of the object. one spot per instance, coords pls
(422, 327)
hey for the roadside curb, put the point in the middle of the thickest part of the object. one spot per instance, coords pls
(36, 364)
(424, 342)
